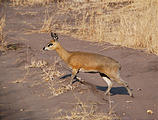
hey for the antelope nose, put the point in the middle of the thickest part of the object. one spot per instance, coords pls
(44, 48)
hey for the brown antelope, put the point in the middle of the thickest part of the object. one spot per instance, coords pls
(108, 68)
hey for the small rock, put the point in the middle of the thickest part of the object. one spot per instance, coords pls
(21, 110)
(150, 112)
(123, 114)
(128, 101)
(139, 89)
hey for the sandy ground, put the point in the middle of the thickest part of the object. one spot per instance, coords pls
(24, 95)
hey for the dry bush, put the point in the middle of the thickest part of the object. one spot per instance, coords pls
(60, 86)
(2, 25)
(4, 46)
(2, 36)
(31, 2)
(84, 111)
(56, 85)
(130, 23)
(51, 74)
(36, 64)
(46, 27)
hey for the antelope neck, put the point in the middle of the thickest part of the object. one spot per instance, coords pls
(63, 53)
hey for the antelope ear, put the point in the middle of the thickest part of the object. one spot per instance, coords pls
(54, 36)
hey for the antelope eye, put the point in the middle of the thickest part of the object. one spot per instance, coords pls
(50, 44)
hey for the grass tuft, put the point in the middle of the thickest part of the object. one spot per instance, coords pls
(37, 64)
(46, 27)
(52, 75)
(29, 2)
(3, 44)
(32, 2)
(84, 111)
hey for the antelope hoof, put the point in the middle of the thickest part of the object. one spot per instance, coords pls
(131, 95)
(109, 94)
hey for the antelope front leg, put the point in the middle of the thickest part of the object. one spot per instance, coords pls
(73, 76)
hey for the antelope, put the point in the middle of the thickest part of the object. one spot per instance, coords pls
(108, 68)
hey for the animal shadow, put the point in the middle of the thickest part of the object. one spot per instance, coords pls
(75, 79)
(65, 76)
(114, 90)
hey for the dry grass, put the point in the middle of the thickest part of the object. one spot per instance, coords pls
(2, 35)
(56, 85)
(4, 46)
(84, 111)
(29, 2)
(32, 2)
(36, 64)
(46, 27)
(130, 23)
(51, 74)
